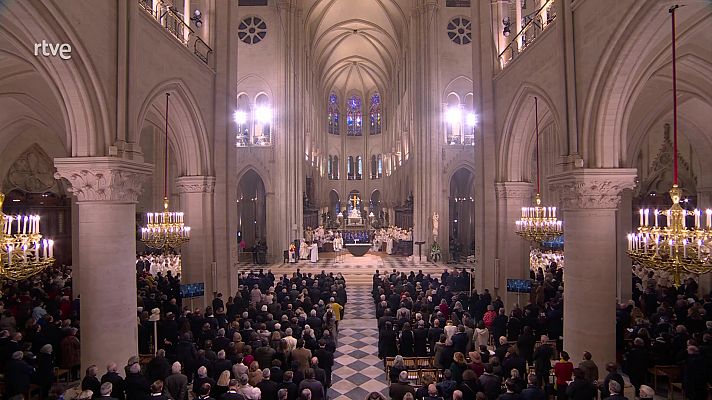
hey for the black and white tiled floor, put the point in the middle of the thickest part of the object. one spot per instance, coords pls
(357, 369)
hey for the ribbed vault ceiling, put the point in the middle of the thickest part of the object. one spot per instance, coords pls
(355, 44)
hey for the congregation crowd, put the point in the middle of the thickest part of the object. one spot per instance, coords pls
(482, 352)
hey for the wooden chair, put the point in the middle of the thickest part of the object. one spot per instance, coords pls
(409, 362)
(61, 374)
(671, 372)
(35, 390)
(388, 362)
(424, 362)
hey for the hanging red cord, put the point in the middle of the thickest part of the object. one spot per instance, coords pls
(674, 97)
(165, 160)
(536, 122)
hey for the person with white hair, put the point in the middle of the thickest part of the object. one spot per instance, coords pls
(248, 391)
(267, 386)
(117, 382)
(291, 340)
(90, 381)
(202, 378)
(105, 390)
(176, 384)
(136, 385)
(18, 374)
(616, 391)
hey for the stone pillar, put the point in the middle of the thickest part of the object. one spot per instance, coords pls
(196, 201)
(624, 225)
(106, 190)
(512, 250)
(590, 198)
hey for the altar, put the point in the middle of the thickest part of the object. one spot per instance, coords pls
(354, 217)
(358, 249)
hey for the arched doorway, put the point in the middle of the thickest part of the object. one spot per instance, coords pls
(374, 206)
(251, 208)
(334, 207)
(462, 214)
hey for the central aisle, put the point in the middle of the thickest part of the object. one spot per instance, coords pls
(357, 369)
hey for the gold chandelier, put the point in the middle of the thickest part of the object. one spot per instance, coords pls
(165, 230)
(23, 252)
(674, 248)
(538, 223)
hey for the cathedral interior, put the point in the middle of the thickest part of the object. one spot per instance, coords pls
(422, 128)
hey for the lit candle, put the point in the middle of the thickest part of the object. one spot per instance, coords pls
(645, 241)
(641, 217)
(24, 225)
(51, 248)
(656, 213)
(709, 218)
(630, 242)
(19, 219)
(670, 242)
(524, 212)
(44, 249)
(10, 250)
(697, 219)
(646, 217)
(684, 248)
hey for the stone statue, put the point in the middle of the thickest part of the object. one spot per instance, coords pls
(436, 224)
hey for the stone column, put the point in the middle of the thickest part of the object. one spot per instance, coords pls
(106, 190)
(624, 225)
(590, 198)
(196, 201)
(512, 250)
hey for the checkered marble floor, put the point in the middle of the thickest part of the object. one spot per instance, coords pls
(357, 368)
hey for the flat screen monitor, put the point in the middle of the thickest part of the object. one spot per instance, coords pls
(519, 285)
(192, 290)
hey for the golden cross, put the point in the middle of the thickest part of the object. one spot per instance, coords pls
(354, 201)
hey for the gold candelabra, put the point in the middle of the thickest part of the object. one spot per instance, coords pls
(23, 252)
(165, 230)
(673, 248)
(538, 223)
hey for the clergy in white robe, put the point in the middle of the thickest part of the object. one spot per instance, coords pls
(389, 245)
(314, 252)
(303, 250)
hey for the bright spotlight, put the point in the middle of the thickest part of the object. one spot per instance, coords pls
(263, 114)
(240, 117)
(453, 115)
(471, 119)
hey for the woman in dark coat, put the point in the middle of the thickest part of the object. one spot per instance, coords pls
(44, 376)
(407, 341)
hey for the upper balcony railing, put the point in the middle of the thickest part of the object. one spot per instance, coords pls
(169, 18)
(534, 25)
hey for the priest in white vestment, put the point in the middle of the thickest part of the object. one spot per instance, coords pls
(389, 245)
(314, 252)
(303, 250)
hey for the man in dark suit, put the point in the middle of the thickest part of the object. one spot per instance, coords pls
(326, 360)
(136, 385)
(434, 335)
(309, 382)
(90, 381)
(420, 335)
(542, 360)
(459, 340)
(105, 391)
(267, 386)
(397, 390)
(157, 391)
(232, 393)
(117, 382)
(17, 375)
(291, 387)
(319, 373)
(532, 392)
(176, 383)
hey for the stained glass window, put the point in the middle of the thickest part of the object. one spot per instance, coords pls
(350, 168)
(359, 167)
(380, 166)
(353, 116)
(375, 114)
(333, 111)
(335, 168)
(373, 167)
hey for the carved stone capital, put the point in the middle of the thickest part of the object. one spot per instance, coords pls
(195, 184)
(108, 179)
(513, 190)
(593, 188)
